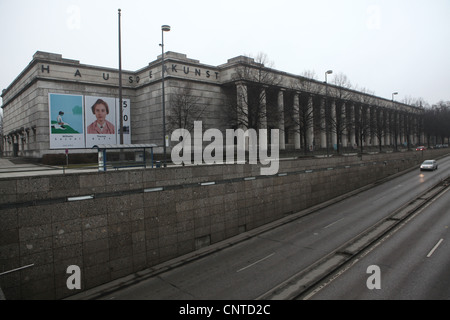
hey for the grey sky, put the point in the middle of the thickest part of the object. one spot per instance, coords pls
(383, 46)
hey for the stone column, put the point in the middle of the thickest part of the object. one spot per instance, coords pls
(374, 115)
(386, 127)
(344, 137)
(297, 121)
(334, 125)
(263, 143)
(310, 123)
(368, 128)
(281, 120)
(401, 128)
(242, 109)
(382, 128)
(263, 101)
(417, 130)
(323, 125)
(422, 133)
(389, 124)
(242, 105)
(353, 126)
(411, 127)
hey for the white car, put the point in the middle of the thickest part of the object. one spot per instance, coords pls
(429, 165)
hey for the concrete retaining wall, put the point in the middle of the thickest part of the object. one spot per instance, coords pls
(138, 219)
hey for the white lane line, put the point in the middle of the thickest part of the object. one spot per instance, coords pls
(251, 265)
(435, 247)
(332, 224)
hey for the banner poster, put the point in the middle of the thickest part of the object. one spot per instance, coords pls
(101, 124)
(66, 121)
(126, 121)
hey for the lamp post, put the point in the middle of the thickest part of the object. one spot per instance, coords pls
(326, 106)
(164, 28)
(326, 75)
(394, 94)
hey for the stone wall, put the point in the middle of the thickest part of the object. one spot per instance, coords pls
(140, 218)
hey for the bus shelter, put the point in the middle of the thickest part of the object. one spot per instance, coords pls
(140, 159)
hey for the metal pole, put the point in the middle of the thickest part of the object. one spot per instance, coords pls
(163, 99)
(120, 85)
(164, 28)
(325, 113)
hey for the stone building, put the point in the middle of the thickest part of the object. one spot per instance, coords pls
(310, 114)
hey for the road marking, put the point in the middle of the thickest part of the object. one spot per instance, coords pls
(435, 247)
(331, 224)
(251, 265)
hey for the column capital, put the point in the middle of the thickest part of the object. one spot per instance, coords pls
(240, 83)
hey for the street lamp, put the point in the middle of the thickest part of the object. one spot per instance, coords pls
(164, 28)
(394, 94)
(326, 107)
(326, 75)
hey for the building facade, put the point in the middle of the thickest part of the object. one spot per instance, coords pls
(241, 93)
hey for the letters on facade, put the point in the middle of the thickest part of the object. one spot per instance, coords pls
(172, 69)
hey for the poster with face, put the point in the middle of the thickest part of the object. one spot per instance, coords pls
(126, 121)
(101, 125)
(66, 121)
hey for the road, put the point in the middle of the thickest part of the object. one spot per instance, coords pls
(413, 262)
(252, 268)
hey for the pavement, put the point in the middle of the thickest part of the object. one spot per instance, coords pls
(16, 167)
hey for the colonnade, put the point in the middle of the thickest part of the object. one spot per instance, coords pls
(316, 121)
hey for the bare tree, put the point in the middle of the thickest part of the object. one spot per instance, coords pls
(186, 108)
(416, 102)
(310, 75)
(436, 120)
(252, 108)
(364, 124)
(378, 126)
(338, 121)
(302, 114)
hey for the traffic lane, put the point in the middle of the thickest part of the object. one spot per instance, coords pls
(240, 272)
(283, 251)
(340, 222)
(413, 183)
(246, 270)
(414, 262)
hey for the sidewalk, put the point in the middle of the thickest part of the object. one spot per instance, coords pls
(10, 168)
(4, 162)
(17, 167)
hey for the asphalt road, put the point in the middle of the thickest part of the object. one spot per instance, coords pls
(254, 267)
(413, 262)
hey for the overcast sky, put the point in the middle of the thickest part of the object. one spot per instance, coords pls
(383, 46)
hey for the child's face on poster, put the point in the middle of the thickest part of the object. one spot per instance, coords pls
(100, 113)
